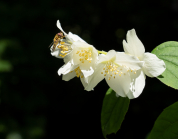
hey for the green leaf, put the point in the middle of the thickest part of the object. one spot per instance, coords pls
(166, 126)
(113, 112)
(168, 52)
(5, 66)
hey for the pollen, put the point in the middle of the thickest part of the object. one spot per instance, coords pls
(78, 72)
(85, 55)
(65, 48)
(111, 70)
(62, 42)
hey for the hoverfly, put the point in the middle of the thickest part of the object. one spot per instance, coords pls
(57, 39)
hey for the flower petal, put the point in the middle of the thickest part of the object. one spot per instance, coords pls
(111, 55)
(68, 76)
(102, 58)
(68, 58)
(133, 46)
(129, 61)
(74, 37)
(153, 66)
(87, 72)
(59, 26)
(66, 68)
(83, 82)
(137, 84)
(120, 84)
(95, 78)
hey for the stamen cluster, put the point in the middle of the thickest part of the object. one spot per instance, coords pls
(78, 72)
(65, 48)
(111, 69)
(84, 55)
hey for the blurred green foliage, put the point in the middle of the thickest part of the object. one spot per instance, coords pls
(5, 65)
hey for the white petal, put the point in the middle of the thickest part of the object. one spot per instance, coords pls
(153, 66)
(66, 68)
(95, 78)
(111, 55)
(102, 57)
(129, 61)
(68, 58)
(68, 76)
(133, 46)
(87, 72)
(74, 37)
(137, 84)
(59, 26)
(83, 82)
(94, 55)
(120, 84)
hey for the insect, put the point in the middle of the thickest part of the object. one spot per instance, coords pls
(57, 39)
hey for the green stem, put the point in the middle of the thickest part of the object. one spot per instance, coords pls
(102, 52)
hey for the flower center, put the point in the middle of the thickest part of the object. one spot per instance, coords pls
(111, 70)
(85, 55)
(65, 48)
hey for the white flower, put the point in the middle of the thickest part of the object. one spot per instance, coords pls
(152, 67)
(117, 69)
(80, 62)
(64, 45)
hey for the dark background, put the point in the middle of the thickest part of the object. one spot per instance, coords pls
(35, 103)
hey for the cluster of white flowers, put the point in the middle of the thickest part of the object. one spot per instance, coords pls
(123, 71)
